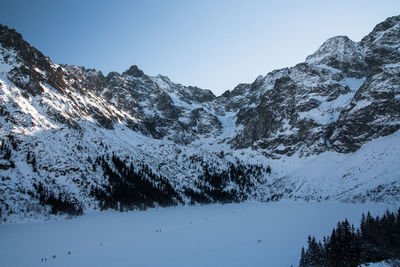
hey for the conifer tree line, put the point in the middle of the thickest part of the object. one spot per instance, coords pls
(377, 239)
(61, 203)
(129, 189)
(31, 159)
(5, 150)
(214, 185)
(5, 154)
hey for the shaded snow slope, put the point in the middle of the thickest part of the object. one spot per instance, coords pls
(370, 173)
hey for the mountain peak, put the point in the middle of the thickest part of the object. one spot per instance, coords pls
(385, 33)
(9, 37)
(333, 47)
(382, 45)
(134, 71)
(340, 53)
(387, 24)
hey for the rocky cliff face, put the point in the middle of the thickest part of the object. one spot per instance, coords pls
(342, 97)
(153, 105)
(375, 109)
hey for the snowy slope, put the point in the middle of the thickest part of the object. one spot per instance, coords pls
(369, 174)
(327, 128)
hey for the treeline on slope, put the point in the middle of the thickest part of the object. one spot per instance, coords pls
(5, 156)
(60, 203)
(6, 161)
(129, 188)
(233, 184)
(376, 240)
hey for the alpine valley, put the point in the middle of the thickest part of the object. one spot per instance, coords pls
(74, 140)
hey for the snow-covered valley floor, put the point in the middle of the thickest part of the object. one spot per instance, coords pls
(246, 234)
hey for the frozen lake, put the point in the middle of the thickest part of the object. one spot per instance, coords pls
(213, 235)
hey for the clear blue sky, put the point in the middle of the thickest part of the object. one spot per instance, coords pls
(213, 44)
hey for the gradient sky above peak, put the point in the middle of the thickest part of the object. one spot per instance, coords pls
(213, 44)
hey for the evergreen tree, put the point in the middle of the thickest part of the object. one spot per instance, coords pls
(377, 239)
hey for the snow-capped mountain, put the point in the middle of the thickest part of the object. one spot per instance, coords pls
(73, 139)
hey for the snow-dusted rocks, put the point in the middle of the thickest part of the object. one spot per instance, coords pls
(375, 109)
(343, 96)
(64, 124)
(342, 54)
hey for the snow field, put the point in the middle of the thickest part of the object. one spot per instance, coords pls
(246, 234)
